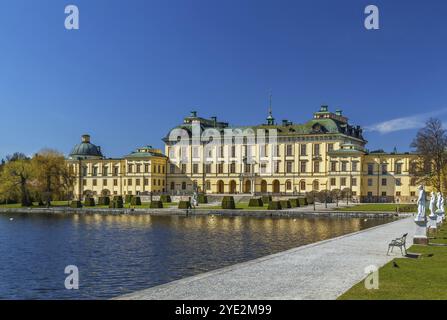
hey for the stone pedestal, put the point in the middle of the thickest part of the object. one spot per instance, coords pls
(420, 236)
(440, 215)
(432, 222)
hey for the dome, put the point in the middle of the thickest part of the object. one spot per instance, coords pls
(85, 150)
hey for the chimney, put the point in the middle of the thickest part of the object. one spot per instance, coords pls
(339, 112)
(324, 108)
(86, 138)
(193, 114)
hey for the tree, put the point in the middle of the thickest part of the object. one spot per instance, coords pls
(16, 180)
(53, 178)
(346, 193)
(431, 145)
(336, 194)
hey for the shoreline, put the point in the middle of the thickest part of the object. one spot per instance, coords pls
(205, 212)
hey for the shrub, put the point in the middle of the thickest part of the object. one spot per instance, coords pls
(117, 204)
(184, 205)
(202, 198)
(309, 200)
(128, 198)
(118, 198)
(166, 198)
(302, 202)
(76, 204)
(156, 204)
(103, 201)
(228, 203)
(274, 205)
(136, 201)
(294, 202)
(89, 202)
(266, 199)
(255, 202)
(285, 204)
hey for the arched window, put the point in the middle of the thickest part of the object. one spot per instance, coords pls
(289, 185)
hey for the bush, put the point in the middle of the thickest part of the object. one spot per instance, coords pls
(136, 201)
(266, 199)
(89, 202)
(76, 204)
(118, 198)
(184, 205)
(202, 198)
(255, 202)
(294, 202)
(303, 202)
(128, 198)
(228, 203)
(285, 204)
(310, 200)
(165, 198)
(156, 205)
(274, 205)
(103, 201)
(117, 204)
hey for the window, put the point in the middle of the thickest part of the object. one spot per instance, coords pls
(208, 168)
(289, 185)
(104, 182)
(247, 168)
(344, 166)
(195, 168)
(183, 185)
(330, 147)
(84, 182)
(183, 167)
(289, 150)
(137, 182)
(276, 166)
(94, 182)
(95, 171)
(84, 171)
(115, 182)
(303, 185)
(303, 149)
(146, 182)
(398, 193)
(370, 182)
(303, 166)
(370, 194)
(105, 171)
(354, 182)
(333, 182)
(263, 167)
(172, 168)
(384, 182)
(384, 168)
(289, 166)
(370, 169)
(412, 193)
(233, 151)
(355, 166)
(317, 150)
(343, 182)
(398, 182)
(316, 166)
(232, 167)
(115, 171)
(195, 152)
(413, 182)
(333, 166)
(221, 151)
(208, 185)
(398, 168)
(220, 168)
(172, 185)
(146, 168)
(383, 193)
(129, 168)
(138, 167)
(278, 151)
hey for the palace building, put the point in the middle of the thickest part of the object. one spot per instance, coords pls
(325, 153)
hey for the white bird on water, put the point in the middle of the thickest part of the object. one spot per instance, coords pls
(10, 219)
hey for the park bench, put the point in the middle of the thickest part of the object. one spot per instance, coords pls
(398, 242)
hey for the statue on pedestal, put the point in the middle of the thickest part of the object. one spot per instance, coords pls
(432, 204)
(194, 201)
(421, 205)
(440, 203)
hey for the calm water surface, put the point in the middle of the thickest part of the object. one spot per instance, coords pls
(120, 254)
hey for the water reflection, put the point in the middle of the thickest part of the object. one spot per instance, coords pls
(117, 254)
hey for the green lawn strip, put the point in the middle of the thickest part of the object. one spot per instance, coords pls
(424, 278)
(385, 207)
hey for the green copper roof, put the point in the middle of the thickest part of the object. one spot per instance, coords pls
(145, 152)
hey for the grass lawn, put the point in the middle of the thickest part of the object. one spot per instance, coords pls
(66, 203)
(424, 278)
(386, 207)
(239, 206)
(35, 205)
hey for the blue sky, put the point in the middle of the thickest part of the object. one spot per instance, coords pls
(136, 67)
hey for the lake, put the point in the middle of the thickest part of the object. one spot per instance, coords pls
(119, 254)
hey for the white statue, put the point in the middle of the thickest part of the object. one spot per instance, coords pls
(195, 202)
(432, 204)
(440, 203)
(421, 205)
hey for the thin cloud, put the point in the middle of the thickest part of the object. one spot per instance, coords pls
(405, 123)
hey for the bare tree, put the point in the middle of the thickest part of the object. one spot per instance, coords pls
(431, 145)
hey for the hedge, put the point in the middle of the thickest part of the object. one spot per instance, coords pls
(266, 199)
(184, 205)
(89, 202)
(128, 198)
(136, 201)
(156, 204)
(117, 204)
(165, 198)
(274, 205)
(103, 201)
(202, 198)
(285, 204)
(309, 200)
(294, 202)
(76, 204)
(228, 203)
(118, 198)
(303, 202)
(255, 202)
